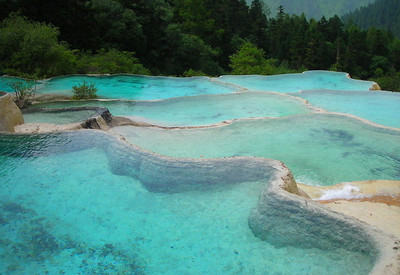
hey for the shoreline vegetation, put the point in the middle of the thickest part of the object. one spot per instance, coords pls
(187, 38)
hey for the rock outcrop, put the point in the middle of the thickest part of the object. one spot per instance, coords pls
(375, 87)
(10, 114)
(101, 119)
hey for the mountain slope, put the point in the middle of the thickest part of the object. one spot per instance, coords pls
(381, 14)
(315, 8)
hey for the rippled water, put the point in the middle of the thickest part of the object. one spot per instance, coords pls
(58, 118)
(79, 202)
(62, 210)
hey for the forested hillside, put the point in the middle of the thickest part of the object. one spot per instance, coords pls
(315, 8)
(42, 38)
(381, 14)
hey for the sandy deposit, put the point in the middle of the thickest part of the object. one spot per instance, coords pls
(376, 202)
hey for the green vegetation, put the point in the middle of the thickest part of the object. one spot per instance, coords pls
(191, 72)
(110, 62)
(84, 91)
(24, 91)
(316, 8)
(251, 60)
(32, 48)
(184, 37)
(380, 14)
(389, 83)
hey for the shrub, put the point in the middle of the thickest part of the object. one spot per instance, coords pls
(85, 90)
(110, 62)
(191, 72)
(389, 83)
(24, 90)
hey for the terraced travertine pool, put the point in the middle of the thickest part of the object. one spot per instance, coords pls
(131, 87)
(194, 110)
(87, 202)
(319, 149)
(379, 106)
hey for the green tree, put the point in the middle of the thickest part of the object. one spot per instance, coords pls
(250, 60)
(111, 62)
(259, 24)
(356, 56)
(33, 48)
(191, 52)
(116, 25)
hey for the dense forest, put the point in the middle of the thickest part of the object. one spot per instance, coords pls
(381, 14)
(42, 38)
(315, 8)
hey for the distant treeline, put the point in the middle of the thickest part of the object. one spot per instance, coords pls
(184, 37)
(382, 13)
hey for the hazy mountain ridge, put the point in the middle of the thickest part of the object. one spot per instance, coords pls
(315, 8)
(381, 14)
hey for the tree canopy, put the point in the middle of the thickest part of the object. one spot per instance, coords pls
(184, 37)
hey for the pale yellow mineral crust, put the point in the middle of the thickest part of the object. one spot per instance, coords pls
(376, 202)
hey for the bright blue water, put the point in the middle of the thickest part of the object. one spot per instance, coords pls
(377, 106)
(137, 87)
(62, 210)
(319, 149)
(149, 88)
(291, 83)
(58, 118)
(6, 81)
(189, 111)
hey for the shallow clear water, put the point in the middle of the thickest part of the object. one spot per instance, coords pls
(198, 110)
(6, 81)
(319, 149)
(137, 87)
(133, 87)
(377, 106)
(62, 210)
(58, 118)
(291, 83)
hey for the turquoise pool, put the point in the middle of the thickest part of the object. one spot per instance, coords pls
(5, 82)
(137, 87)
(65, 209)
(189, 111)
(85, 202)
(380, 107)
(134, 87)
(291, 83)
(58, 118)
(319, 149)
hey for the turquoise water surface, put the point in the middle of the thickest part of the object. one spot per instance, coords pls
(378, 106)
(58, 118)
(319, 149)
(190, 111)
(137, 87)
(5, 82)
(84, 202)
(63, 210)
(291, 83)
